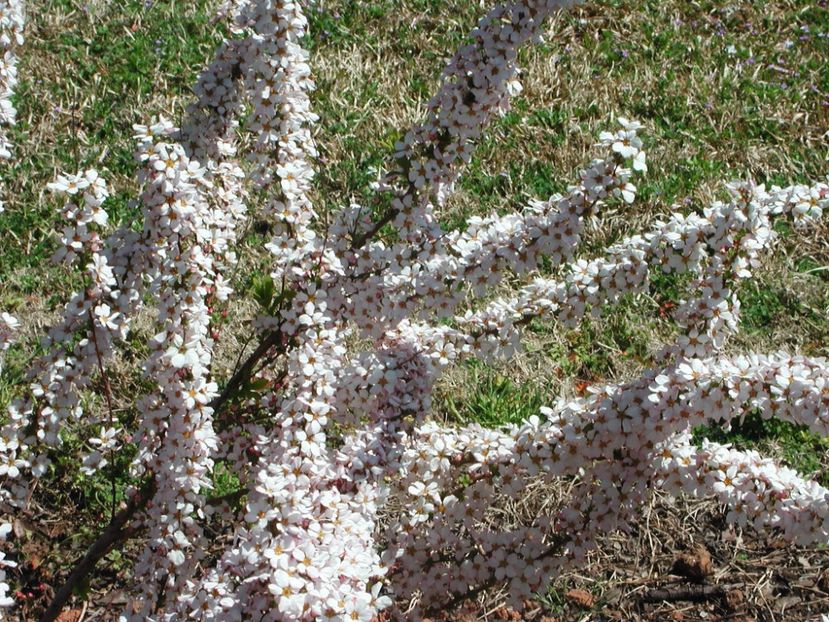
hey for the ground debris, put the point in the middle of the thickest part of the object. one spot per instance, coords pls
(695, 593)
(694, 564)
(734, 599)
(69, 615)
(581, 598)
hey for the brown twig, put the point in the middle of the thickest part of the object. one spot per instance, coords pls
(694, 593)
(110, 409)
(360, 240)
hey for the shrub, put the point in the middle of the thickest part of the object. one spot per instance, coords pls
(350, 497)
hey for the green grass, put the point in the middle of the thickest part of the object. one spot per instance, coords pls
(497, 400)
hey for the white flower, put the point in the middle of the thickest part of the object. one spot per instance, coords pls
(639, 163)
(106, 317)
(626, 144)
(106, 439)
(8, 322)
(629, 125)
(93, 462)
(10, 465)
(628, 192)
(68, 184)
(176, 556)
(183, 353)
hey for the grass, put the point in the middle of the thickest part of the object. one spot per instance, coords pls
(497, 400)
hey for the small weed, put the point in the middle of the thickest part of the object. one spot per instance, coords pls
(553, 600)
(225, 481)
(495, 400)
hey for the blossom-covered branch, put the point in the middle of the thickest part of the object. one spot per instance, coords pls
(12, 20)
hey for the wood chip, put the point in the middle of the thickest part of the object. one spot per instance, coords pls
(69, 615)
(581, 598)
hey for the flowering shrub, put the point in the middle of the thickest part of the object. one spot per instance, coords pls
(352, 498)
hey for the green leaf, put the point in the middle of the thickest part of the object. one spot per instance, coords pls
(259, 385)
(264, 290)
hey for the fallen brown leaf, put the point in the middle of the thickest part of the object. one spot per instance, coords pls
(734, 599)
(507, 614)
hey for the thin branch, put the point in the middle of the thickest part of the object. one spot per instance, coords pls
(110, 410)
(116, 532)
(360, 240)
(270, 340)
(693, 593)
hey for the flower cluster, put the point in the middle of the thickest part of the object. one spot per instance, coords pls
(5, 599)
(189, 229)
(622, 440)
(718, 247)
(476, 85)
(59, 377)
(352, 499)
(8, 327)
(12, 18)
(480, 255)
(265, 63)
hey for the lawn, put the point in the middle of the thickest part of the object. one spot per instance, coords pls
(725, 90)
